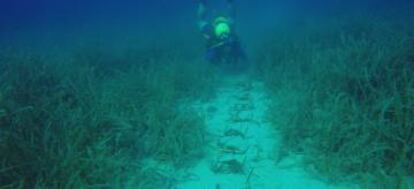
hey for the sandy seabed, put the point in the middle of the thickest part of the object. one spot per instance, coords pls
(241, 144)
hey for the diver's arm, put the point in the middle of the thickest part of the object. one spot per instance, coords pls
(202, 10)
(232, 10)
(202, 14)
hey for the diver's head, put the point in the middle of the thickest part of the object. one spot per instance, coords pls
(222, 28)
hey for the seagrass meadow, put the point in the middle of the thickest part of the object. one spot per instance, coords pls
(110, 95)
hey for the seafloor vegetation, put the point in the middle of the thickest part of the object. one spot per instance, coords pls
(343, 92)
(89, 118)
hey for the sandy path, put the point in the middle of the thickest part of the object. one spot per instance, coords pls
(241, 144)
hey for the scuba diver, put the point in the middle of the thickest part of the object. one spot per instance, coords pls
(223, 45)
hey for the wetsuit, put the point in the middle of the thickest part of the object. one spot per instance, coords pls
(226, 50)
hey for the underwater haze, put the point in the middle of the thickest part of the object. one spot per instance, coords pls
(47, 20)
(207, 94)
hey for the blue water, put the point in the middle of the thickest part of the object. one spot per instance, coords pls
(25, 21)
